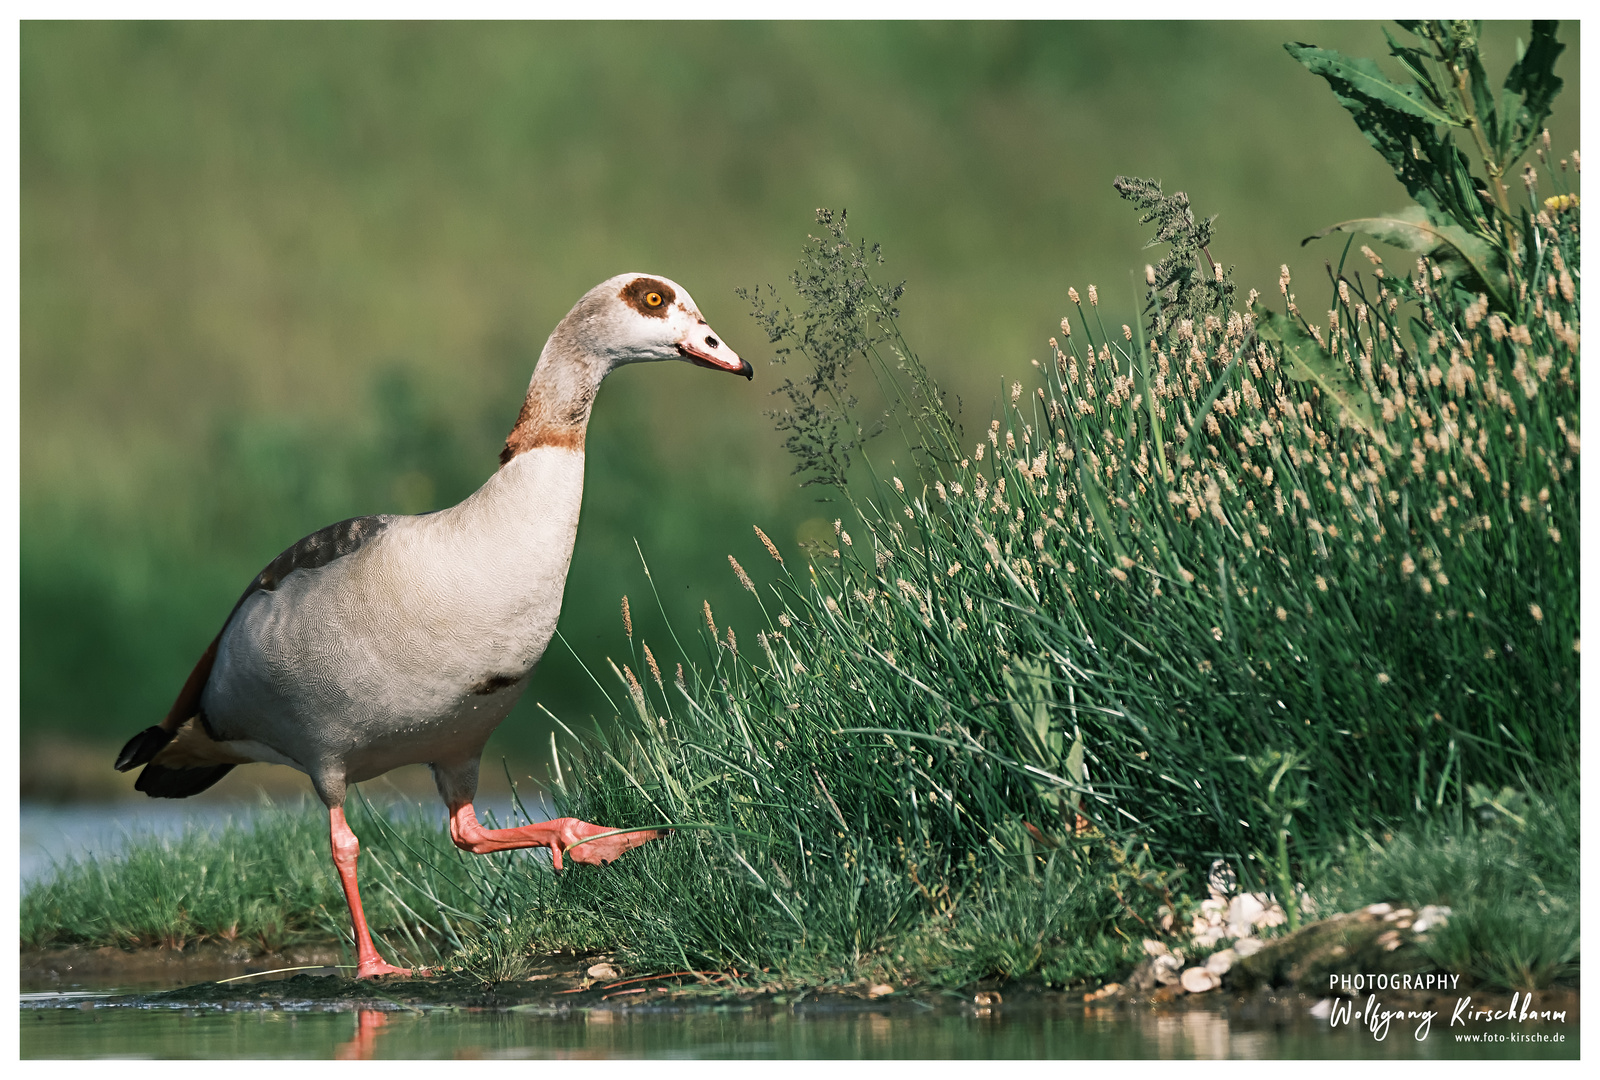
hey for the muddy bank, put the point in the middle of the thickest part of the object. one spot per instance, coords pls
(572, 983)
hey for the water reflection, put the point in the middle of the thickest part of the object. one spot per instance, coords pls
(361, 1048)
(1043, 1031)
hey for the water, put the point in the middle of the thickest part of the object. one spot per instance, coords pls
(84, 1028)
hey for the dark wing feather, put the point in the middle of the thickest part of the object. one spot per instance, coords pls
(319, 549)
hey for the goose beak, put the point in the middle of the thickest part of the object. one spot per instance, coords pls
(703, 347)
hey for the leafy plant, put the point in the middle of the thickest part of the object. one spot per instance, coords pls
(1187, 283)
(842, 321)
(1464, 221)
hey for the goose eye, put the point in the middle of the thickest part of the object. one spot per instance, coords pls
(652, 299)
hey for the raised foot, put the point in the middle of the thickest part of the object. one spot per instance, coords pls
(575, 839)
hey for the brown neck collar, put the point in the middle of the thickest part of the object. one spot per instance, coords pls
(556, 410)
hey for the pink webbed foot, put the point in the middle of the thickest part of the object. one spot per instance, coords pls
(575, 839)
(562, 835)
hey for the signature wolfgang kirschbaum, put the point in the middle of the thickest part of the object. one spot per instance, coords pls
(1377, 1018)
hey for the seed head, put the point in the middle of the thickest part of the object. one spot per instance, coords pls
(898, 486)
(1094, 296)
(1383, 679)
(1536, 612)
(1072, 294)
(738, 571)
(1127, 334)
(1149, 274)
(655, 672)
(772, 548)
(627, 618)
(710, 624)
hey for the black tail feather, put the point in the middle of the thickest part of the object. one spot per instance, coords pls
(143, 746)
(160, 782)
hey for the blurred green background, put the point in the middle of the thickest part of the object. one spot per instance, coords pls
(276, 275)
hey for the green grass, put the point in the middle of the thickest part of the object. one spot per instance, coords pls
(268, 884)
(1509, 874)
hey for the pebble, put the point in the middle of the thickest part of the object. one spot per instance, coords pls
(1248, 947)
(603, 971)
(1197, 980)
(1431, 916)
(1220, 963)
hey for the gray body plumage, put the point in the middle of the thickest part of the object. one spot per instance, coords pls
(412, 647)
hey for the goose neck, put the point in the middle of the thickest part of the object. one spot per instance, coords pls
(560, 398)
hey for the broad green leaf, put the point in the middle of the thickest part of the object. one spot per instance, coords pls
(1483, 97)
(1361, 76)
(1448, 244)
(1075, 759)
(1533, 78)
(1427, 162)
(1415, 61)
(1075, 770)
(1305, 361)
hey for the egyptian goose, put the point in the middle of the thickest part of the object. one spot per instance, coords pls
(396, 640)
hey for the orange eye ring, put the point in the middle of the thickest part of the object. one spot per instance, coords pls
(652, 299)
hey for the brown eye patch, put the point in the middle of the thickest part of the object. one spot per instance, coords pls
(648, 296)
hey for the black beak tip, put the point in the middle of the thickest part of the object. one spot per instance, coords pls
(746, 370)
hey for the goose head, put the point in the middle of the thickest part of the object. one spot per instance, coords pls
(636, 318)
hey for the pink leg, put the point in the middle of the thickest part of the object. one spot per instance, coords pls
(558, 835)
(345, 850)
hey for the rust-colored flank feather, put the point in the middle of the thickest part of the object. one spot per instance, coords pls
(188, 703)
